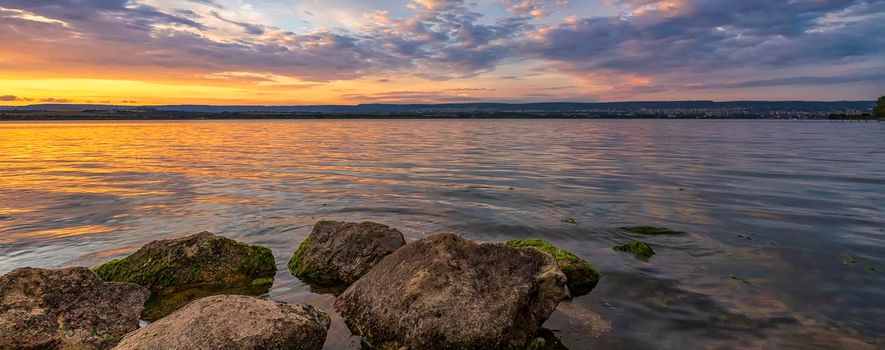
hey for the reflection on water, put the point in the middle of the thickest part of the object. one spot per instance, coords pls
(785, 221)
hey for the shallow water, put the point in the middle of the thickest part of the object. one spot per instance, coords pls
(783, 219)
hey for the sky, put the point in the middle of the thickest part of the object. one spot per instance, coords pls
(290, 52)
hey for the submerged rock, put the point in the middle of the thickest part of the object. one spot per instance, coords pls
(183, 269)
(66, 309)
(582, 277)
(651, 230)
(341, 252)
(639, 249)
(447, 292)
(545, 339)
(234, 322)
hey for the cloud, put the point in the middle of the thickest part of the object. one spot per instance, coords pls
(534, 8)
(441, 40)
(410, 97)
(249, 28)
(210, 3)
(648, 46)
(795, 81)
(444, 39)
(553, 88)
(694, 40)
(55, 100)
(241, 76)
(141, 36)
(817, 81)
(11, 98)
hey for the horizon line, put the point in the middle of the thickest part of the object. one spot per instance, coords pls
(422, 103)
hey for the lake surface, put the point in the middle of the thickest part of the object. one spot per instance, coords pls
(785, 221)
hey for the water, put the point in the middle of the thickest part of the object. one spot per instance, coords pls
(783, 218)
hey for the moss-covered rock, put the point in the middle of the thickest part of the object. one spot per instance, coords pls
(339, 253)
(198, 265)
(639, 249)
(296, 262)
(582, 277)
(651, 230)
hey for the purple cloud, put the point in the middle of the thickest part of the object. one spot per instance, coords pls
(699, 40)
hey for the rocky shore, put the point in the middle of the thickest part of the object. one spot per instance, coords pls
(199, 292)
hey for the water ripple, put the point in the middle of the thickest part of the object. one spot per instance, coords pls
(771, 210)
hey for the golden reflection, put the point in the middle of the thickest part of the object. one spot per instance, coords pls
(9, 211)
(58, 233)
(115, 252)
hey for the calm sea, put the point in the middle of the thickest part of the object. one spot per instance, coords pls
(785, 221)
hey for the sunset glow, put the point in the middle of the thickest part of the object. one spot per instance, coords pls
(284, 52)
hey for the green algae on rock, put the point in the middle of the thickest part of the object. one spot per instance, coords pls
(168, 300)
(581, 276)
(569, 220)
(651, 230)
(639, 249)
(339, 253)
(175, 269)
(262, 281)
(295, 264)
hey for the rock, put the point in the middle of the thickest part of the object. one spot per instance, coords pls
(545, 339)
(651, 230)
(582, 277)
(639, 249)
(203, 258)
(234, 322)
(447, 292)
(180, 270)
(66, 309)
(339, 253)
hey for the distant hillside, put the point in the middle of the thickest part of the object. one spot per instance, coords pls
(458, 108)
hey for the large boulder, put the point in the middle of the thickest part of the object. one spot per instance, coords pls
(339, 253)
(447, 292)
(234, 322)
(582, 277)
(183, 269)
(66, 309)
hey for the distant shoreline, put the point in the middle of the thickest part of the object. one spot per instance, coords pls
(339, 117)
(237, 116)
(552, 110)
(50, 119)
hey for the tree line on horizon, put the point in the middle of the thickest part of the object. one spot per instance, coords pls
(878, 113)
(879, 110)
